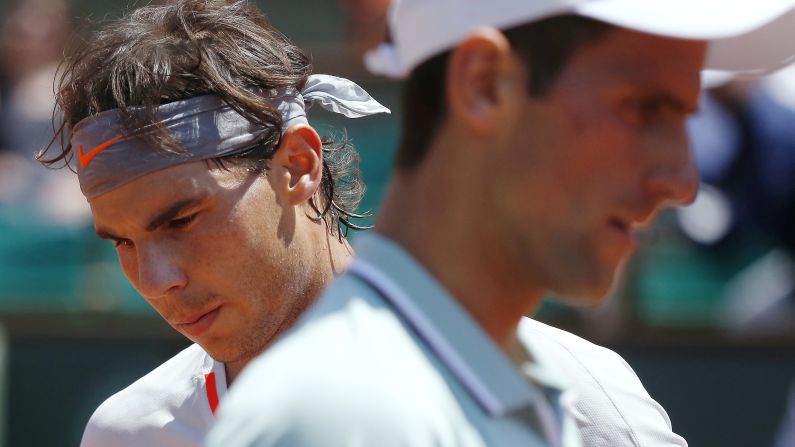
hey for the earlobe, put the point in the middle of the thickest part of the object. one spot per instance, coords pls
(300, 162)
(476, 75)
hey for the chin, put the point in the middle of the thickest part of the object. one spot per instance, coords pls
(587, 293)
(224, 355)
(583, 299)
(228, 350)
(216, 350)
(219, 350)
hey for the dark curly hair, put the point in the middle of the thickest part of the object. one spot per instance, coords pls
(186, 48)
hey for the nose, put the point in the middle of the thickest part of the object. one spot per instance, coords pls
(159, 271)
(674, 177)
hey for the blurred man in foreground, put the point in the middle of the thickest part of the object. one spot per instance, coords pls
(537, 138)
(188, 128)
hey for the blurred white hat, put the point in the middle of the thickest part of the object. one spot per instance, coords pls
(743, 35)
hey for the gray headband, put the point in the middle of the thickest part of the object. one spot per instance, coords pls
(109, 155)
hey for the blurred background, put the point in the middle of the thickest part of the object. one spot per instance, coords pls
(705, 313)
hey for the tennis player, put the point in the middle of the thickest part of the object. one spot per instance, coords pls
(537, 137)
(187, 126)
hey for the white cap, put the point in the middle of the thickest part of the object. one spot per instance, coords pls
(743, 35)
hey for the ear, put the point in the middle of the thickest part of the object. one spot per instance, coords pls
(299, 163)
(481, 77)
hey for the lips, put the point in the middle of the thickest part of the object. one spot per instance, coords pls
(621, 225)
(633, 220)
(199, 323)
(624, 230)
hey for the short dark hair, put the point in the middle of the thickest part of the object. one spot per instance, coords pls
(187, 48)
(545, 47)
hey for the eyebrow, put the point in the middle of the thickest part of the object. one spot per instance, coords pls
(105, 235)
(160, 218)
(675, 102)
(655, 92)
(171, 212)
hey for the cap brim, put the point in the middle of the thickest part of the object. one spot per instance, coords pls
(714, 78)
(744, 35)
(750, 36)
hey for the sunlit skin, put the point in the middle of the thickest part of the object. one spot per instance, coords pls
(593, 159)
(544, 194)
(228, 257)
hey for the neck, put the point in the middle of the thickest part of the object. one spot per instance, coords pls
(332, 264)
(233, 369)
(449, 236)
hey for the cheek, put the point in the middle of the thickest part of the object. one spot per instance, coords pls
(244, 246)
(520, 178)
(602, 151)
(256, 215)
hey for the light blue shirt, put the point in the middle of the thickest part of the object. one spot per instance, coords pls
(387, 357)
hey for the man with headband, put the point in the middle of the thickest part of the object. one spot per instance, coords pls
(537, 137)
(187, 126)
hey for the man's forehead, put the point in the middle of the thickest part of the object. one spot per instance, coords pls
(156, 191)
(624, 56)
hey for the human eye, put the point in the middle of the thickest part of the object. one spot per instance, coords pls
(644, 111)
(648, 111)
(182, 222)
(120, 243)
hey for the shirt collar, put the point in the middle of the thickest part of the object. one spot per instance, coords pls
(437, 318)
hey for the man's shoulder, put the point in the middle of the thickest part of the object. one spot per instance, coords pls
(570, 348)
(352, 369)
(339, 401)
(348, 319)
(146, 405)
(611, 402)
(349, 327)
